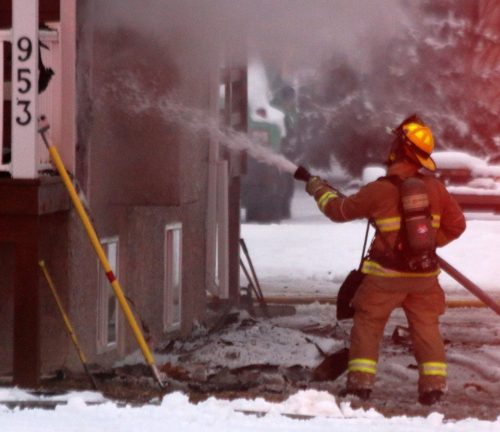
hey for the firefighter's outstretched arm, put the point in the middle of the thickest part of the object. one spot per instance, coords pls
(331, 202)
(335, 205)
(316, 186)
(321, 191)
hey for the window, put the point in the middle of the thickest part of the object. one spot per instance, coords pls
(107, 307)
(172, 289)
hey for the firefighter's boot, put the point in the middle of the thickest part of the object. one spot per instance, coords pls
(359, 384)
(431, 397)
(363, 394)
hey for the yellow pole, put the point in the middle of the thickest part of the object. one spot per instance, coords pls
(67, 322)
(115, 285)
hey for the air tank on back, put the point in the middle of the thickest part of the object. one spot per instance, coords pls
(417, 219)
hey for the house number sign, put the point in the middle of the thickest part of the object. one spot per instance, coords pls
(24, 114)
(24, 88)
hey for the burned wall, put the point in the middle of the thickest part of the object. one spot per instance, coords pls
(138, 166)
(134, 151)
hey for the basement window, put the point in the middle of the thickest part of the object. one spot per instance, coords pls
(172, 286)
(107, 307)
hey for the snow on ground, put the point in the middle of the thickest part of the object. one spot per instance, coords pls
(176, 413)
(312, 255)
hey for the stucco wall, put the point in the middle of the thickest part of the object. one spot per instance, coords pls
(140, 171)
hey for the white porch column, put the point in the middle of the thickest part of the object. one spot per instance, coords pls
(24, 87)
(223, 228)
(2, 97)
(67, 142)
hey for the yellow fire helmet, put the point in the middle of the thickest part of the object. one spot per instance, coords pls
(419, 142)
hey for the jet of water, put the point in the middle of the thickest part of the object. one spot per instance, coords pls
(198, 121)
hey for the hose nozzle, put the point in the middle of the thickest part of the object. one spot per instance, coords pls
(302, 174)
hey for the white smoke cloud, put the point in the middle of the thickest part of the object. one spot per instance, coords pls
(298, 32)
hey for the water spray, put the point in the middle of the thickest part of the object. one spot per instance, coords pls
(197, 121)
(193, 121)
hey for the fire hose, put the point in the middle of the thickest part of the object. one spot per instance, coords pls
(303, 175)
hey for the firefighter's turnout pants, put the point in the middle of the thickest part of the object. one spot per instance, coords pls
(422, 300)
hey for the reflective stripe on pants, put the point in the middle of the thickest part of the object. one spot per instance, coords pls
(362, 365)
(433, 368)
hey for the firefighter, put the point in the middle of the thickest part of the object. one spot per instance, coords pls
(390, 280)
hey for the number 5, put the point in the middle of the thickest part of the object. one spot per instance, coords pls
(23, 80)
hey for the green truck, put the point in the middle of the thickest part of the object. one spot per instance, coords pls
(267, 192)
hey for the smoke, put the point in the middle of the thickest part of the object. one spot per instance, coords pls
(364, 65)
(289, 35)
(295, 33)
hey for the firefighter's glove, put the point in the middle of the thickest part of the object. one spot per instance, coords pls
(315, 184)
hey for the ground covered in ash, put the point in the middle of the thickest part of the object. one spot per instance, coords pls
(241, 356)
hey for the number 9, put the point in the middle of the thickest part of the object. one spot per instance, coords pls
(24, 44)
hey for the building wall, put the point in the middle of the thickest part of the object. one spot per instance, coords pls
(140, 170)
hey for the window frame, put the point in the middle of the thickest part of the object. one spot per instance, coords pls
(104, 294)
(172, 261)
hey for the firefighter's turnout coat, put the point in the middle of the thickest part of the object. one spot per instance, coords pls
(387, 285)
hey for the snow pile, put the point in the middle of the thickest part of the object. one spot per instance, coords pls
(485, 187)
(15, 394)
(485, 177)
(306, 403)
(176, 413)
(456, 159)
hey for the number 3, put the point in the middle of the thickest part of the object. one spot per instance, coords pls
(24, 121)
